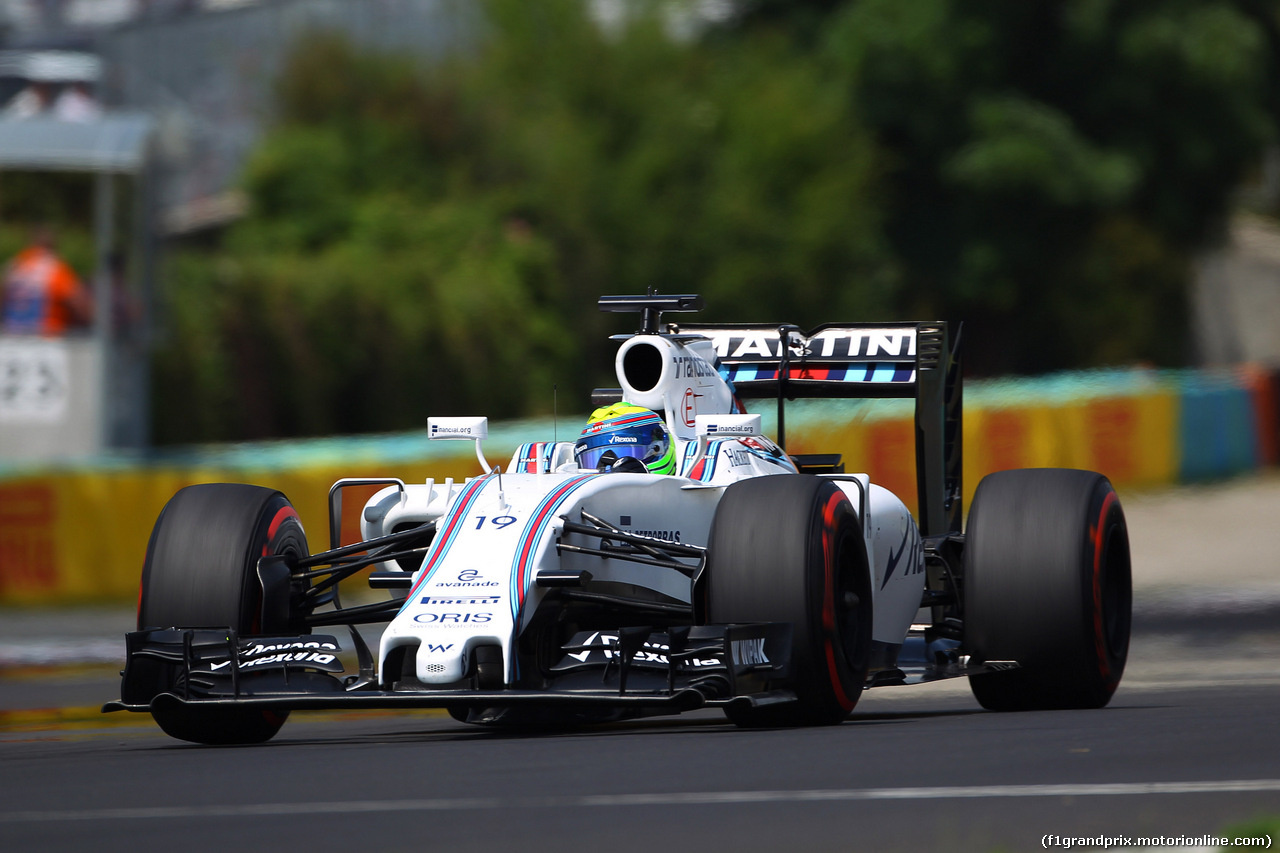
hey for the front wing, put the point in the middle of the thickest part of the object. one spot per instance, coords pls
(601, 674)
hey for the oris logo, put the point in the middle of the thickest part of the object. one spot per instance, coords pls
(452, 619)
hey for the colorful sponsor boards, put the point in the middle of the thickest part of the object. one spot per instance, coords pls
(81, 536)
(76, 536)
(1142, 429)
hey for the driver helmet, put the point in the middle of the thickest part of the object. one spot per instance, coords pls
(626, 431)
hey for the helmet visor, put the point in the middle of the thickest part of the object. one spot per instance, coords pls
(646, 443)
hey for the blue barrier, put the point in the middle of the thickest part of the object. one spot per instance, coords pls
(1217, 429)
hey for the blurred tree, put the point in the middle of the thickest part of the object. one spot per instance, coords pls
(377, 278)
(434, 239)
(1055, 165)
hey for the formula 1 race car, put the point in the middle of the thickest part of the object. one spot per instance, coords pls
(576, 585)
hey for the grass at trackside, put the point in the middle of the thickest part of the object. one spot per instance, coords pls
(1268, 827)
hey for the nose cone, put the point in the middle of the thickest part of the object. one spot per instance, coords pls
(440, 662)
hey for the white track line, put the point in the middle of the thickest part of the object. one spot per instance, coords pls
(666, 799)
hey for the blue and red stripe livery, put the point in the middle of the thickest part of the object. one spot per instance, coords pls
(445, 536)
(534, 530)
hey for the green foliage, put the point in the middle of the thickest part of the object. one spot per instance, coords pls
(1019, 146)
(62, 199)
(1055, 165)
(432, 239)
(415, 306)
(1262, 827)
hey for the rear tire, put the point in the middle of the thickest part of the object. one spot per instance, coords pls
(788, 548)
(201, 572)
(1047, 584)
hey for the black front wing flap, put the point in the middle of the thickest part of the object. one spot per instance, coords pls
(629, 669)
(635, 671)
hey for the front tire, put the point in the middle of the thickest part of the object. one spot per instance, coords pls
(788, 548)
(1047, 584)
(201, 572)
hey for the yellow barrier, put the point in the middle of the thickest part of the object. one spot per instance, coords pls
(83, 536)
(1132, 440)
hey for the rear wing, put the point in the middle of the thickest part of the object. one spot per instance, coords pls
(868, 360)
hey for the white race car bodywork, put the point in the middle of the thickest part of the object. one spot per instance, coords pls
(496, 533)
(771, 586)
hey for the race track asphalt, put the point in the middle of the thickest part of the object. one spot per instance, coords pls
(1188, 747)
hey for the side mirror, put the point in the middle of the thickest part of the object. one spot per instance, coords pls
(461, 429)
(708, 427)
(726, 426)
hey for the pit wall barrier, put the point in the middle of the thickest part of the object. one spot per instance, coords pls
(79, 533)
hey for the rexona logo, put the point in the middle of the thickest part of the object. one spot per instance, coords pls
(264, 648)
(623, 439)
(598, 646)
(749, 652)
(460, 599)
(452, 620)
(311, 653)
(651, 653)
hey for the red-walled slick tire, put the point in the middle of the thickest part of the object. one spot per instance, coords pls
(788, 548)
(1047, 584)
(201, 572)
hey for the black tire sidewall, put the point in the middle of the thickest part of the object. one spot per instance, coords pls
(783, 548)
(201, 565)
(201, 572)
(1046, 562)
